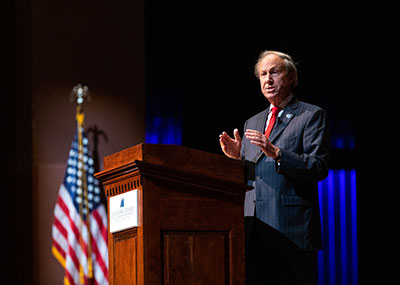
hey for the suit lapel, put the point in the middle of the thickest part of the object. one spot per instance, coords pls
(260, 126)
(284, 119)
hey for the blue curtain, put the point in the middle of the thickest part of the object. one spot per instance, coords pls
(337, 262)
(164, 115)
(163, 130)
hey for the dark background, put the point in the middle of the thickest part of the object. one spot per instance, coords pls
(347, 62)
(199, 70)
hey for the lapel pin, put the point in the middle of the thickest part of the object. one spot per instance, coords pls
(289, 116)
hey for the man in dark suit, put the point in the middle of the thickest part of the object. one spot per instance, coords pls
(285, 149)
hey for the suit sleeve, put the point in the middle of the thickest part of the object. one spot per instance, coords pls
(242, 148)
(312, 164)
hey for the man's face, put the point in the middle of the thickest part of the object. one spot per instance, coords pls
(275, 81)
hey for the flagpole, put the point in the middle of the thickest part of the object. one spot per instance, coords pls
(79, 230)
(81, 93)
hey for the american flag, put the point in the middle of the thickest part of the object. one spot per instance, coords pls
(80, 220)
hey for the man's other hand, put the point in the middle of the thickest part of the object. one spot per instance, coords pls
(231, 146)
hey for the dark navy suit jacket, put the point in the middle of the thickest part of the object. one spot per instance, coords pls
(285, 194)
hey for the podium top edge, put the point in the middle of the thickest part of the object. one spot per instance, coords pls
(179, 157)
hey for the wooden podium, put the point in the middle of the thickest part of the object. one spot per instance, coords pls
(190, 217)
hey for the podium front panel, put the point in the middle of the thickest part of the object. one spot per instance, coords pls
(200, 257)
(125, 269)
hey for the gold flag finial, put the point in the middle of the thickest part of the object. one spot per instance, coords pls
(80, 93)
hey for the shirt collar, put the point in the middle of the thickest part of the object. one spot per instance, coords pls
(284, 103)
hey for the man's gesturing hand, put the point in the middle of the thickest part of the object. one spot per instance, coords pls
(262, 142)
(231, 147)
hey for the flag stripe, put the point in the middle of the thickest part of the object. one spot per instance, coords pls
(68, 278)
(72, 270)
(98, 230)
(60, 228)
(74, 220)
(73, 257)
(60, 242)
(99, 258)
(61, 216)
(99, 221)
(59, 254)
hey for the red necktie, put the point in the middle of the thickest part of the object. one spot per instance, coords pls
(275, 111)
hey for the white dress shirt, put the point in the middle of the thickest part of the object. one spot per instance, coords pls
(281, 106)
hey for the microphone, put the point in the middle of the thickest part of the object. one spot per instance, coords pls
(279, 117)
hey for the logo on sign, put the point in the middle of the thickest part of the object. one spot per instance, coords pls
(122, 203)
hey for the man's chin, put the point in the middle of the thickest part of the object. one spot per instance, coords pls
(271, 95)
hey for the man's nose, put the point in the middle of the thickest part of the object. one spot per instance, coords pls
(268, 78)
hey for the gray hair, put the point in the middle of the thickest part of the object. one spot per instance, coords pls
(289, 63)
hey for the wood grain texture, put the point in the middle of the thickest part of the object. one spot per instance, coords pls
(125, 270)
(195, 258)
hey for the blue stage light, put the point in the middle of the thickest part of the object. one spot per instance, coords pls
(338, 261)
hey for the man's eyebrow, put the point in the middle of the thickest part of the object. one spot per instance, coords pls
(274, 67)
(277, 67)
